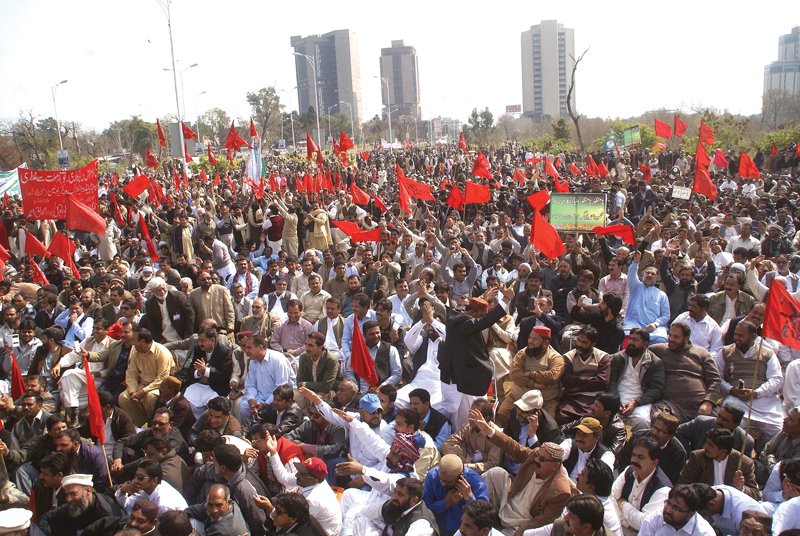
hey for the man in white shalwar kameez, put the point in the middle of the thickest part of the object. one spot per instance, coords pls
(429, 330)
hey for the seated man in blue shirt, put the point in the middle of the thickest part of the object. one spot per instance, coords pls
(76, 324)
(448, 489)
(431, 421)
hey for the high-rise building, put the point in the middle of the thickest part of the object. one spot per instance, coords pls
(548, 51)
(784, 74)
(338, 74)
(400, 69)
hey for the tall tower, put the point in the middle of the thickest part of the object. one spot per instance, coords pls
(785, 73)
(400, 69)
(548, 50)
(335, 56)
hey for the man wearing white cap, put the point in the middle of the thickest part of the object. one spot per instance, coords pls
(83, 507)
(15, 521)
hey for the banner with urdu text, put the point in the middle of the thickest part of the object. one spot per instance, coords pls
(44, 193)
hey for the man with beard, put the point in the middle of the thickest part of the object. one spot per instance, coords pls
(587, 371)
(648, 306)
(637, 377)
(538, 366)
(405, 513)
(530, 426)
(584, 446)
(450, 487)
(692, 377)
(83, 458)
(680, 515)
(83, 507)
(258, 321)
(220, 515)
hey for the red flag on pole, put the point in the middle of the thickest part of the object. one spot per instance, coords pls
(625, 232)
(481, 167)
(360, 197)
(188, 133)
(5, 199)
(311, 147)
(356, 233)
(117, 214)
(81, 217)
(38, 274)
(539, 200)
(150, 160)
(773, 151)
(462, 142)
(574, 169)
(97, 427)
(560, 186)
(17, 383)
(477, 193)
(360, 360)
(719, 159)
(33, 246)
(403, 197)
(782, 318)
(63, 248)
(545, 237)
(380, 204)
(747, 168)
(706, 133)
(211, 158)
(602, 170)
(4, 254)
(550, 169)
(519, 176)
(162, 141)
(136, 186)
(152, 252)
(591, 167)
(662, 129)
(253, 131)
(703, 183)
(345, 142)
(701, 157)
(234, 140)
(456, 198)
(679, 127)
(186, 153)
(647, 174)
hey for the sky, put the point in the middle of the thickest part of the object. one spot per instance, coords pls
(642, 55)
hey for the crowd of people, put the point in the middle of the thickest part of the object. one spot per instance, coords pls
(261, 371)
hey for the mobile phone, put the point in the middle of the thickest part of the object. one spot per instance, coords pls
(741, 384)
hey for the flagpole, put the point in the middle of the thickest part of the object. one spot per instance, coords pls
(750, 404)
(108, 469)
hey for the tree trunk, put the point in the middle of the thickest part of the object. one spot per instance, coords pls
(572, 113)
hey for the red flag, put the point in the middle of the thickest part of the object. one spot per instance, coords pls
(216, 179)
(4, 254)
(561, 186)
(150, 160)
(625, 232)
(719, 159)
(17, 383)
(591, 168)
(782, 318)
(456, 198)
(5, 199)
(476, 193)
(311, 147)
(747, 168)
(545, 237)
(299, 185)
(706, 134)
(701, 157)
(360, 361)
(550, 169)
(403, 197)
(4, 236)
(152, 252)
(797, 149)
(234, 140)
(416, 189)
(365, 156)
(647, 174)
(335, 147)
(229, 156)
(136, 186)
(679, 126)
(481, 167)
(462, 142)
(380, 204)
(356, 233)
(360, 197)
(345, 143)
(253, 131)
(602, 170)
(63, 248)
(186, 153)
(38, 274)
(773, 150)
(188, 133)
(703, 183)
(574, 169)
(162, 141)
(97, 427)
(176, 180)
(185, 178)
(519, 176)
(117, 214)
(308, 183)
(33, 246)
(539, 200)
(211, 158)
(81, 217)
(662, 129)
(533, 161)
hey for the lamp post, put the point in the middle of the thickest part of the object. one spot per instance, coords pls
(330, 133)
(388, 105)
(199, 137)
(55, 109)
(316, 93)
(352, 125)
(165, 6)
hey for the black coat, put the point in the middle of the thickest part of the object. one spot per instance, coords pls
(554, 322)
(221, 367)
(290, 420)
(57, 522)
(179, 309)
(548, 431)
(464, 360)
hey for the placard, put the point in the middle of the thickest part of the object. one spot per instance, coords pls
(577, 211)
(681, 192)
(44, 193)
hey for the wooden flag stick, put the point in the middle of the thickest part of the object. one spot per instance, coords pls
(108, 469)
(750, 404)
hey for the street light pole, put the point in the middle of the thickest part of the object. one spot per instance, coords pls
(316, 93)
(389, 105)
(175, 80)
(330, 133)
(55, 109)
(352, 125)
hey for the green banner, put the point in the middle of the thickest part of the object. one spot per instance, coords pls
(632, 136)
(577, 212)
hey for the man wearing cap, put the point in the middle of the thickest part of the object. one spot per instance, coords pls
(585, 445)
(539, 367)
(310, 481)
(169, 316)
(15, 521)
(540, 490)
(530, 426)
(220, 515)
(730, 302)
(448, 488)
(83, 507)
(466, 369)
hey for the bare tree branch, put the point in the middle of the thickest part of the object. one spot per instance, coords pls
(572, 113)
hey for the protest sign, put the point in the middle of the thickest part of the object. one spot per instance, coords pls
(632, 136)
(681, 192)
(577, 212)
(44, 193)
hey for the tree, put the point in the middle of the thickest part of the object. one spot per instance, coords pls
(214, 124)
(481, 126)
(265, 106)
(561, 130)
(779, 108)
(573, 114)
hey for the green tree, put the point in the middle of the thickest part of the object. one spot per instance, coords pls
(265, 107)
(561, 130)
(214, 125)
(480, 126)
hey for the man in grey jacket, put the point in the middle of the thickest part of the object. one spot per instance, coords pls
(220, 515)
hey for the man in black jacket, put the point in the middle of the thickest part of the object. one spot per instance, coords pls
(606, 410)
(672, 455)
(213, 366)
(130, 450)
(168, 314)
(282, 412)
(530, 426)
(83, 507)
(542, 315)
(466, 369)
(322, 439)
(406, 508)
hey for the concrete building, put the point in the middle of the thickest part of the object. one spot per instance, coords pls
(548, 50)
(785, 73)
(400, 69)
(335, 56)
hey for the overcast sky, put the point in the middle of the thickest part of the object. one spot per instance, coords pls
(643, 56)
